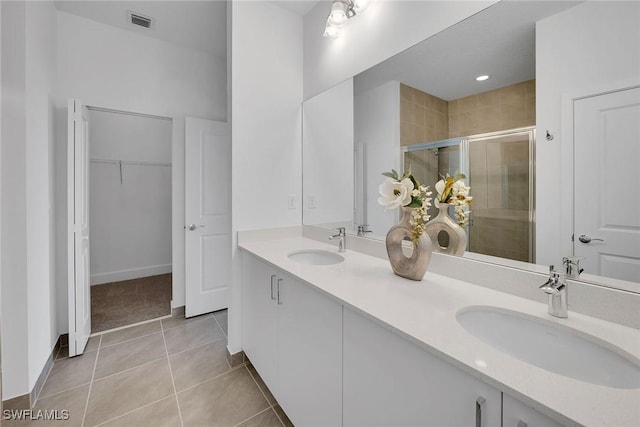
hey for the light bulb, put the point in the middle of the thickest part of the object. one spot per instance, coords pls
(331, 30)
(482, 78)
(338, 15)
(361, 5)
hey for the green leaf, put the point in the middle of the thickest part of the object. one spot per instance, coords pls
(415, 203)
(393, 175)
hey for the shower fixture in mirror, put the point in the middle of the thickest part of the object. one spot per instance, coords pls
(423, 108)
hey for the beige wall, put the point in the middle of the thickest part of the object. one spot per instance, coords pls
(499, 109)
(425, 118)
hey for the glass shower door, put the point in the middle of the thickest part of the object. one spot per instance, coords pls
(501, 180)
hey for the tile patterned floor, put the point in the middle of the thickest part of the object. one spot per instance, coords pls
(170, 372)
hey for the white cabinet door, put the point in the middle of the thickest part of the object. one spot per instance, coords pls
(389, 381)
(310, 355)
(260, 318)
(517, 414)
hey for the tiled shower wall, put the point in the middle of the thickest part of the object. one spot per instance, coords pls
(425, 118)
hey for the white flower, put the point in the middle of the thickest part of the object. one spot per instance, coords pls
(440, 187)
(460, 190)
(394, 194)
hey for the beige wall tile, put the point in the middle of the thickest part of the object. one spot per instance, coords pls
(470, 103)
(419, 112)
(513, 95)
(441, 105)
(406, 93)
(489, 99)
(419, 98)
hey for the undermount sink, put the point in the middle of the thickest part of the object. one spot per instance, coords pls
(551, 347)
(316, 257)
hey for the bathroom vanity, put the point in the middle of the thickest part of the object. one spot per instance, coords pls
(349, 343)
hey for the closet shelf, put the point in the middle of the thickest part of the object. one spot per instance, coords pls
(129, 162)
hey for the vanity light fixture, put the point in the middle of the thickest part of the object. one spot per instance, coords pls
(341, 12)
(482, 78)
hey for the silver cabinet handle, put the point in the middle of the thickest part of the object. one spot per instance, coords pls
(279, 300)
(479, 402)
(586, 239)
(192, 227)
(273, 277)
(521, 424)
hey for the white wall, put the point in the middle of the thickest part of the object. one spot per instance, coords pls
(28, 286)
(113, 68)
(377, 129)
(266, 83)
(384, 29)
(591, 48)
(130, 215)
(14, 249)
(327, 148)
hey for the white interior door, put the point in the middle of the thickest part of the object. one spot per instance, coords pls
(607, 184)
(78, 226)
(208, 215)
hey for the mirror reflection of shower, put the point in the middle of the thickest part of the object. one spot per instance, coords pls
(499, 169)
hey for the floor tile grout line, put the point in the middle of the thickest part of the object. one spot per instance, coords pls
(255, 415)
(263, 393)
(220, 326)
(132, 411)
(63, 391)
(124, 327)
(195, 319)
(95, 365)
(129, 369)
(173, 381)
(212, 378)
(198, 346)
(131, 339)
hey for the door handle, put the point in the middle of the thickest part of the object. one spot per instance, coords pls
(586, 239)
(192, 227)
(273, 277)
(278, 292)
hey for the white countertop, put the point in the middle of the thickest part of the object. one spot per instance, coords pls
(425, 313)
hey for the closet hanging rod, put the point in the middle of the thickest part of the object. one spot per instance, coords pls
(129, 162)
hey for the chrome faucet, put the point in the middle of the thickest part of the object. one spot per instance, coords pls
(342, 244)
(362, 230)
(556, 288)
(571, 265)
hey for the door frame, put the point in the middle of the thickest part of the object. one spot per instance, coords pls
(567, 153)
(70, 201)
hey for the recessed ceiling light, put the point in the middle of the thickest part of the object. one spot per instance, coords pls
(482, 78)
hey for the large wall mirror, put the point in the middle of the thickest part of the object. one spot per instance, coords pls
(424, 109)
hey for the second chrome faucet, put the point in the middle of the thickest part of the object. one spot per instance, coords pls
(556, 288)
(342, 244)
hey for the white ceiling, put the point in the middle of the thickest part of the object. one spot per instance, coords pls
(200, 25)
(499, 41)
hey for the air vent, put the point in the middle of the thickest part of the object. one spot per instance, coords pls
(140, 20)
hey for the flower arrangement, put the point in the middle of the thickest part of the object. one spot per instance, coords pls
(406, 191)
(452, 190)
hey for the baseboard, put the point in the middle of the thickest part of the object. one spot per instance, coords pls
(236, 358)
(28, 401)
(178, 311)
(117, 276)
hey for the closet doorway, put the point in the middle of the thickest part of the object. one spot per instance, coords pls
(129, 217)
